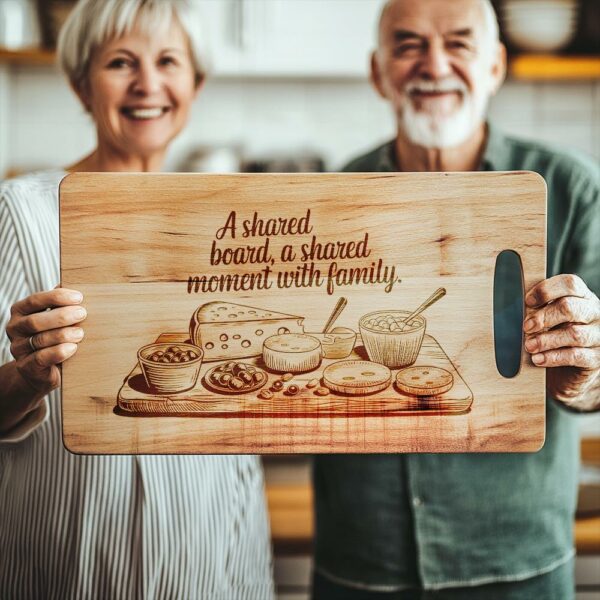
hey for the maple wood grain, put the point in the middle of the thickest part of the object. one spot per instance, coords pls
(129, 242)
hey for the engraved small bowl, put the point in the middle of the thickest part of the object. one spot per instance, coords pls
(170, 377)
(397, 348)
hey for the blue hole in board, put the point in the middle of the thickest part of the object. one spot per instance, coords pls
(508, 313)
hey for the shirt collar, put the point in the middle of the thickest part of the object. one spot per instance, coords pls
(495, 156)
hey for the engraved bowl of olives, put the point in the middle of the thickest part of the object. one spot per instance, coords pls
(170, 368)
(235, 377)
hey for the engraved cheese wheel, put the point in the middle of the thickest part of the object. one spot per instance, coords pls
(357, 377)
(292, 353)
(424, 381)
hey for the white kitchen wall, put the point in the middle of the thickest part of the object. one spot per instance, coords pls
(338, 118)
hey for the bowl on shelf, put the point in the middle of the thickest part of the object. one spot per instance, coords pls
(539, 25)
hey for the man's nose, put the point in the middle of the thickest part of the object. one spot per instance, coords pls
(436, 63)
(147, 80)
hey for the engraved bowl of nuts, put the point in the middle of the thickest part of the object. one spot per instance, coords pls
(170, 368)
(389, 340)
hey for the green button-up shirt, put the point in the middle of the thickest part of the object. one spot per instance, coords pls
(387, 522)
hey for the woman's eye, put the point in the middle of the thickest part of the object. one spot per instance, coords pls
(118, 63)
(167, 60)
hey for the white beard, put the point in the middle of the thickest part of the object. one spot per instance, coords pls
(436, 131)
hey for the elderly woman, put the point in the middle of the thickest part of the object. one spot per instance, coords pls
(120, 526)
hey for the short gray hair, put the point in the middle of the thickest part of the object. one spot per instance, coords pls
(490, 20)
(93, 22)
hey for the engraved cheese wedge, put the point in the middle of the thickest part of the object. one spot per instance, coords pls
(225, 330)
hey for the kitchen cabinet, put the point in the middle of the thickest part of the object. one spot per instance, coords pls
(291, 38)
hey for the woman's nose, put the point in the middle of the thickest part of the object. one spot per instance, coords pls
(147, 80)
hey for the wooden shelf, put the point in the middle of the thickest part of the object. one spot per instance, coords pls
(29, 56)
(587, 535)
(541, 67)
(291, 516)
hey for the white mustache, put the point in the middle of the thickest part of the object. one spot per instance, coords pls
(451, 84)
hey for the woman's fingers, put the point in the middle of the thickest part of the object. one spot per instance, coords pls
(30, 324)
(43, 300)
(43, 334)
(39, 368)
(54, 355)
(21, 346)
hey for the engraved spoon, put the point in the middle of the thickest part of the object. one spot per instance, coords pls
(337, 311)
(439, 293)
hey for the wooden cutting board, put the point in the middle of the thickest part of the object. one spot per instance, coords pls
(227, 261)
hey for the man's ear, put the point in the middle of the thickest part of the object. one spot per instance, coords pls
(375, 75)
(498, 68)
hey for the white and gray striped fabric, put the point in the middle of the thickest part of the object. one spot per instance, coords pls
(119, 527)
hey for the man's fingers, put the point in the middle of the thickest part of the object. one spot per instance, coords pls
(21, 346)
(43, 300)
(30, 324)
(567, 309)
(584, 358)
(567, 336)
(555, 287)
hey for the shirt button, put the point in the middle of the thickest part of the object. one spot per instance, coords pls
(417, 501)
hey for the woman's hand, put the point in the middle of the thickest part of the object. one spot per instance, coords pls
(43, 333)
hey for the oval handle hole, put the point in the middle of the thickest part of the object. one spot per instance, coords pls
(508, 313)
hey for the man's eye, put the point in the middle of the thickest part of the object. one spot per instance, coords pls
(406, 49)
(457, 45)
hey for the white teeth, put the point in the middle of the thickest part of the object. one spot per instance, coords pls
(145, 113)
(442, 86)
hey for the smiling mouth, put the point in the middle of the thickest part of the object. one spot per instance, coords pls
(435, 94)
(144, 114)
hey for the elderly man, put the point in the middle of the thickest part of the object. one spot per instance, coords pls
(489, 526)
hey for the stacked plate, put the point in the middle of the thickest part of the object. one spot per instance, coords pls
(539, 25)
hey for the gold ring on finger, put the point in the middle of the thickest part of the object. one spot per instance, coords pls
(32, 344)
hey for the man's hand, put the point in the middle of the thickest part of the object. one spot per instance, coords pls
(563, 332)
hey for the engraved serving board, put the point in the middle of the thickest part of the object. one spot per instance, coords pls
(153, 253)
(136, 397)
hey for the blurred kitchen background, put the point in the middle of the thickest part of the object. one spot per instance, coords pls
(289, 91)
